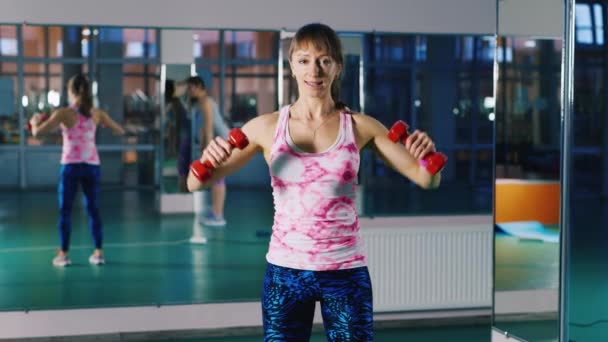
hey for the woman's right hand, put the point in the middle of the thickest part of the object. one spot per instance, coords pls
(216, 152)
(38, 118)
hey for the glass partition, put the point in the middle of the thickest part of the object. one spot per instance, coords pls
(440, 84)
(585, 279)
(405, 76)
(174, 124)
(400, 77)
(9, 104)
(527, 188)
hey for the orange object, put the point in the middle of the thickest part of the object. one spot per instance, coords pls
(527, 200)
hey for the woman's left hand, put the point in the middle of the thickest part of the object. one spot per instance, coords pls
(419, 144)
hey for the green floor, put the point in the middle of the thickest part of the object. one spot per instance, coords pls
(476, 333)
(149, 260)
(525, 264)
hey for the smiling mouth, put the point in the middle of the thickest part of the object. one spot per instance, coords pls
(314, 84)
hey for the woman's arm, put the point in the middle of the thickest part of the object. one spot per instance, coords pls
(107, 121)
(57, 117)
(403, 159)
(207, 112)
(227, 160)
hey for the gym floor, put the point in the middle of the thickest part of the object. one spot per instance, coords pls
(150, 261)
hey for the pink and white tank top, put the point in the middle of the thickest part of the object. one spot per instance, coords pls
(315, 224)
(79, 142)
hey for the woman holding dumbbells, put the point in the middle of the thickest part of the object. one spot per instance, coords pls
(312, 148)
(79, 161)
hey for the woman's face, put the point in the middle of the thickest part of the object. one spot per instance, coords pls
(314, 70)
(196, 92)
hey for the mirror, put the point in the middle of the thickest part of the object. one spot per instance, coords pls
(241, 70)
(527, 184)
(586, 161)
(437, 82)
(176, 137)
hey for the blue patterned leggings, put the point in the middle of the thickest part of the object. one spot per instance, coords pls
(71, 176)
(288, 304)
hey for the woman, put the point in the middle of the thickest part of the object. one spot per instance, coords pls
(315, 251)
(79, 162)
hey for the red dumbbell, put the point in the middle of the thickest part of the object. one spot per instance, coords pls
(432, 162)
(43, 118)
(202, 171)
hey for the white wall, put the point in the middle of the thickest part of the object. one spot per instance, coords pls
(176, 47)
(537, 18)
(429, 16)
(541, 18)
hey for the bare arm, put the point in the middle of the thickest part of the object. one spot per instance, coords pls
(403, 159)
(208, 129)
(105, 120)
(226, 160)
(59, 116)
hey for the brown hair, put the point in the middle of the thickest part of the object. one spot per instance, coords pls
(79, 85)
(323, 38)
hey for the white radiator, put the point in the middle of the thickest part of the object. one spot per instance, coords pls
(429, 263)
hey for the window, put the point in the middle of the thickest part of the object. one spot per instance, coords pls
(589, 24)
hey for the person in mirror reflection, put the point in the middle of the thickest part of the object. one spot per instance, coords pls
(208, 122)
(312, 147)
(178, 132)
(80, 162)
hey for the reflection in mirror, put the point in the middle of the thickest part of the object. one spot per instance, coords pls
(176, 126)
(527, 190)
(400, 77)
(586, 279)
(418, 78)
(444, 86)
(440, 84)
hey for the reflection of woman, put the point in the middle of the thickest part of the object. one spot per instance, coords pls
(209, 123)
(169, 128)
(79, 162)
(312, 148)
(178, 129)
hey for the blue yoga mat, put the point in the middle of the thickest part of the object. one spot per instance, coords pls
(529, 230)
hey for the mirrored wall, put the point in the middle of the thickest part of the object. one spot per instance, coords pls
(442, 84)
(527, 188)
(35, 64)
(585, 281)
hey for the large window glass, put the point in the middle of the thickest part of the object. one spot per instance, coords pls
(127, 75)
(527, 189)
(121, 63)
(405, 76)
(56, 41)
(585, 279)
(8, 40)
(9, 102)
(206, 44)
(44, 91)
(244, 81)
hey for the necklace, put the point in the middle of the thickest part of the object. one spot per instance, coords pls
(314, 131)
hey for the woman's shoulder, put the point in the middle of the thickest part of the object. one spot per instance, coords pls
(261, 127)
(367, 125)
(67, 111)
(265, 119)
(97, 114)
(363, 119)
(98, 111)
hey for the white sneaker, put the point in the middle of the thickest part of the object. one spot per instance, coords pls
(62, 261)
(212, 220)
(96, 259)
